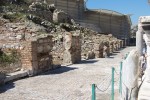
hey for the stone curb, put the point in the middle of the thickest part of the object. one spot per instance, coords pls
(15, 75)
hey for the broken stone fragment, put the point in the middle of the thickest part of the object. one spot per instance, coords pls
(33, 35)
(12, 38)
(17, 47)
(38, 6)
(90, 55)
(21, 47)
(19, 37)
(40, 49)
(60, 16)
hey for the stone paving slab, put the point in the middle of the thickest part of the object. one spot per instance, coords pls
(71, 82)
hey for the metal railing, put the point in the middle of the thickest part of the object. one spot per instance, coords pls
(108, 85)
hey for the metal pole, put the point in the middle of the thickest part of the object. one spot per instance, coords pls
(112, 85)
(126, 56)
(93, 92)
(120, 83)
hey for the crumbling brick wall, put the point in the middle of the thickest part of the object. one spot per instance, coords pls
(36, 56)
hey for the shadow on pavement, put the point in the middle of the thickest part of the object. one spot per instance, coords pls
(60, 70)
(87, 61)
(116, 52)
(111, 57)
(7, 86)
(64, 69)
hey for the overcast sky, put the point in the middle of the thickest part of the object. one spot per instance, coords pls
(135, 7)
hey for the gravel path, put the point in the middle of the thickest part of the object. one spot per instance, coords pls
(67, 83)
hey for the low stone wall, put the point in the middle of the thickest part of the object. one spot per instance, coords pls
(100, 46)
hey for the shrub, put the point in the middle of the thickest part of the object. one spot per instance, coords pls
(6, 59)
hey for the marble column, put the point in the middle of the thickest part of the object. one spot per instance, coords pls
(139, 42)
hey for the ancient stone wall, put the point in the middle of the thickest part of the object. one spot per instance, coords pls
(58, 50)
(36, 56)
(87, 46)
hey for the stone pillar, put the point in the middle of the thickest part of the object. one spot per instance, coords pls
(114, 45)
(36, 56)
(72, 45)
(121, 43)
(44, 55)
(98, 50)
(29, 57)
(139, 41)
(111, 47)
(106, 50)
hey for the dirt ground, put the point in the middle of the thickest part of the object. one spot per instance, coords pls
(69, 82)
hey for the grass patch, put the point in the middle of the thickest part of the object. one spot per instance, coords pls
(6, 59)
(13, 17)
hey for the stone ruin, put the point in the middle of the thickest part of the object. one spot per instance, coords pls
(99, 46)
(36, 55)
(72, 52)
(44, 45)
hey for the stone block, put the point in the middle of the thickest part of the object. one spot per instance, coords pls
(60, 17)
(90, 55)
